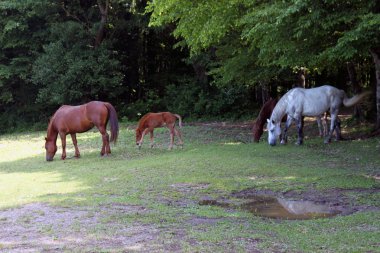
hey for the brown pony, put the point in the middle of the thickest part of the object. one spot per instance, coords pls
(265, 113)
(150, 121)
(78, 119)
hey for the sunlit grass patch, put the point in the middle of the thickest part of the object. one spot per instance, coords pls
(25, 187)
(15, 147)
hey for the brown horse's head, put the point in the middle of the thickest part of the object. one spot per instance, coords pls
(138, 135)
(257, 131)
(51, 149)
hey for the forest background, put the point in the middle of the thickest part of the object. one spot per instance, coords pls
(215, 59)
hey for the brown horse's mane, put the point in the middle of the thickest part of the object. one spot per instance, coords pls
(142, 120)
(51, 120)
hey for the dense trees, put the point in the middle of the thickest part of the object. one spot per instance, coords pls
(270, 37)
(199, 58)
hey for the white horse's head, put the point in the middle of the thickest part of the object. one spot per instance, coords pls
(274, 131)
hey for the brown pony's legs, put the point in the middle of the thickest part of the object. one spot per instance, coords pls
(179, 135)
(142, 136)
(74, 138)
(63, 140)
(171, 129)
(151, 139)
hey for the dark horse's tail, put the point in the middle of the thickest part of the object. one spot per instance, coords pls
(114, 123)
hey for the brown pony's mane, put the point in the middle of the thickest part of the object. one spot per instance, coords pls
(261, 119)
(142, 120)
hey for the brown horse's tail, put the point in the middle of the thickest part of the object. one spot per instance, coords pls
(180, 119)
(355, 99)
(114, 123)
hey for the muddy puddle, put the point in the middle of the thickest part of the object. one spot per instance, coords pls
(280, 208)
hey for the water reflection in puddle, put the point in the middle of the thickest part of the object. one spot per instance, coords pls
(272, 207)
(279, 208)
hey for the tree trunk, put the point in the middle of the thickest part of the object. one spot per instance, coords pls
(103, 21)
(358, 113)
(302, 78)
(264, 93)
(376, 58)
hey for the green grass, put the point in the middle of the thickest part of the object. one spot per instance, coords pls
(214, 163)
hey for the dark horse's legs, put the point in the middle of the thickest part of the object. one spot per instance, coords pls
(74, 138)
(63, 140)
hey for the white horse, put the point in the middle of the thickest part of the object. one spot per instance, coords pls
(313, 102)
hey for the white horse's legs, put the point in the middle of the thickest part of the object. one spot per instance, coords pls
(284, 138)
(300, 130)
(333, 125)
(322, 125)
(337, 129)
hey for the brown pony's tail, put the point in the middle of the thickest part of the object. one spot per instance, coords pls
(355, 99)
(114, 123)
(180, 119)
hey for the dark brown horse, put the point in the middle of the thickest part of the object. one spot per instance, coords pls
(266, 112)
(78, 119)
(150, 121)
(261, 120)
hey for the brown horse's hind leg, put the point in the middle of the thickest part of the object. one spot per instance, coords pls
(179, 135)
(74, 138)
(171, 128)
(63, 140)
(106, 150)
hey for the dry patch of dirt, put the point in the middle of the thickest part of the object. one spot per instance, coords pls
(39, 227)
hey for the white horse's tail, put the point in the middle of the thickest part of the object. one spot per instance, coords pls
(180, 119)
(355, 99)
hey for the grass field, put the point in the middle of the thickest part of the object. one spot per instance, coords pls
(148, 200)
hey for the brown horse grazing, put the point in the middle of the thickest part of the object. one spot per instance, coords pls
(78, 119)
(261, 120)
(266, 112)
(150, 121)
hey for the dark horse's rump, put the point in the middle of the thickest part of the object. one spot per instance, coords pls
(78, 119)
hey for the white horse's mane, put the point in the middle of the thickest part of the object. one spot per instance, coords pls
(280, 109)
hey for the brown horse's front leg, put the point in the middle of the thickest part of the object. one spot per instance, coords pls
(74, 138)
(142, 136)
(63, 140)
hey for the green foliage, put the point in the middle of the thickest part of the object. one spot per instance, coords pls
(70, 70)
(190, 100)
